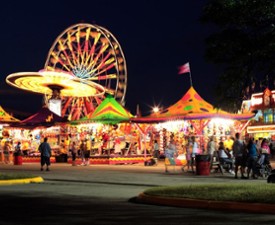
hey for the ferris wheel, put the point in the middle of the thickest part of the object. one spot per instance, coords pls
(90, 53)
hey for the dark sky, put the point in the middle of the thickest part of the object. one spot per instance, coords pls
(156, 37)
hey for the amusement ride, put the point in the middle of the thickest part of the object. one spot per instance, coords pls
(84, 63)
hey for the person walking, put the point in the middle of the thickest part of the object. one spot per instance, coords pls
(45, 154)
(252, 158)
(17, 149)
(211, 148)
(188, 153)
(6, 151)
(74, 152)
(170, 154)
(239, 152)
(87, 153)
(83, 148)
(117, 146)
(195, 151)
(156, 152)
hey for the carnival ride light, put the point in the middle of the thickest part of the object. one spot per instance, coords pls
(44, 82)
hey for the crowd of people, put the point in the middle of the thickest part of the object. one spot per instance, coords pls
(240, 156)
(8, 150)
(250, 153)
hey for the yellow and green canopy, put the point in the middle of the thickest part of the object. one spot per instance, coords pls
(109, 111)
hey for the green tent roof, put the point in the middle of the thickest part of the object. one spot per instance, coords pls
(108, 112)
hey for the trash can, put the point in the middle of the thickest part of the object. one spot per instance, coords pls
(202, 164)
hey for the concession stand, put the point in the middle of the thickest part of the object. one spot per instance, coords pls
(192, 116)
(5, 121)
(32, 130)
(111, 134)
(263, 124)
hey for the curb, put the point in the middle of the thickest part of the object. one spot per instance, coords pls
(207, 204)
(22, 181)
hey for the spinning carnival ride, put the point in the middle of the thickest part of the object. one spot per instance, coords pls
(84, 62)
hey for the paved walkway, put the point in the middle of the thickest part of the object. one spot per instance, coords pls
(151, 175)
(141, 176)
(175, 175)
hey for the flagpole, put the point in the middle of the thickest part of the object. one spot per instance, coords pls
(191, 83)
(190, 79)
(186, 69)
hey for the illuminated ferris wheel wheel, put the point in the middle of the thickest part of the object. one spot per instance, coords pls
(90, 53)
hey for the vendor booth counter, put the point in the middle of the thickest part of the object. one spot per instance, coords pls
(113, 159)
(93, 160)
(128, 159)
(34, 159)
(96, 160)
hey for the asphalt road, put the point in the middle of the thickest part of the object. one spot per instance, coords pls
(104, 194)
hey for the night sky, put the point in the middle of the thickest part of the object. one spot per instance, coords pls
(156, 38)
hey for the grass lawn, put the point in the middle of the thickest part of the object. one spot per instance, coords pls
(247, 192)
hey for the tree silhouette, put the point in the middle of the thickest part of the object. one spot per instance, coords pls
(243, 45)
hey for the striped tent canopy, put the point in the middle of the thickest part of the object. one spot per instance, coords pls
(109, 111)
(6, 118)
(191, 107)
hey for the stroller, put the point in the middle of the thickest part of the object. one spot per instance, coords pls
(271, 177)
(263, 166)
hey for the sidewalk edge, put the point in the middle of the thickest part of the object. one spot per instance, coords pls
(207, 204)
(22, 181)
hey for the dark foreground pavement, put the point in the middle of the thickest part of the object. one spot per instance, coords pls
(104, 194)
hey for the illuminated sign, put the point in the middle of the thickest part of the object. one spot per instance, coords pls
(258, 129)
(264, 99)
(256, 99)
